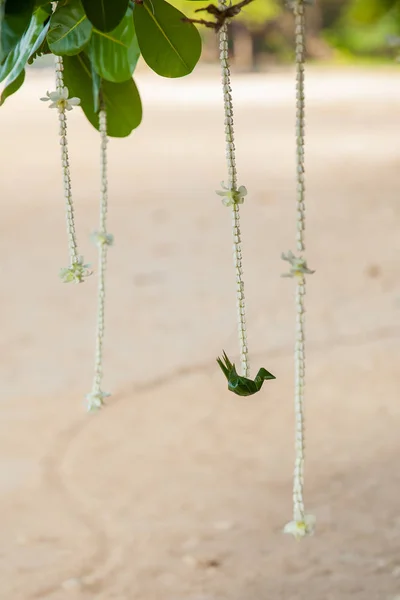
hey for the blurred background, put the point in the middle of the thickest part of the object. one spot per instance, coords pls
(339, 31)
(179, 490)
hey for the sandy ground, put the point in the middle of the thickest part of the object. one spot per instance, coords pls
(179, 490)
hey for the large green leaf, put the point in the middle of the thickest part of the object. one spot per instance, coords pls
(170, 46)
(96, 84)
(18, 7)
(12, 87)
(105, 14)
(70, 29)
(40, 50)
(115, 54)
(15, 17)
(122, 100)
(28, 44)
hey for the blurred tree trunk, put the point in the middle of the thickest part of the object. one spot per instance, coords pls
(316, 46)
(314, 19)
(243, 51)
(210, 52)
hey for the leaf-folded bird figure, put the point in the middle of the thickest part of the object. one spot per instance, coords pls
(242, 386)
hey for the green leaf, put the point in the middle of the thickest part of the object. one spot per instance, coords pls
(115, 54)
(18, 7)
(40, 50)
(169, 46)
(12, 87)
(15, 17)
(70, 29)
(122, 100)
(96, 84)
(28, 44)
(105, 15)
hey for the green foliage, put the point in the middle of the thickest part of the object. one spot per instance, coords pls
(122, 100)
(100, 42)
(114, 55)
(364, 26)
(70, 29)
(257, 13)
(31, 39)
(12, 87)
(16, 18)
(362, 39)
(168, 45)
(254, 15)
(369, 11)
(105, 14)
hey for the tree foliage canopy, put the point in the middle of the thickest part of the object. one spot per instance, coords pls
(100, 43)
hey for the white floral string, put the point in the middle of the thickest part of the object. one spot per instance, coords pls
(77, 270)
(95, 398)
(232, 195)
(302, 523)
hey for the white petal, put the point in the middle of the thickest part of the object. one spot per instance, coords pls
(290, 527)
(310, 521)
(64, 93)
(74, 101)
(300, 529)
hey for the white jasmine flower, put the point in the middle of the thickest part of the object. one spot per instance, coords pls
(301, 528)
(76, 273)
(298, 266)
(100, 238)
(232, 196)
(60, 100)
(96, 400)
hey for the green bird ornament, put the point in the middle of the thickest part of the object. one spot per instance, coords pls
(242, 386)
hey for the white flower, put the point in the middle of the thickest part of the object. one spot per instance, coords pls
(60, 100)
(96, 400)
(100, 238)
(232, 197)
(300, 529)
(76, 273)
(298, 266)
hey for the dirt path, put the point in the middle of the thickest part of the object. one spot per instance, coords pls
(179, 491)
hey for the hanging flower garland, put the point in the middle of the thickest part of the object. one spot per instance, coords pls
(103, 240)
(233, 196)
(77, 270)
(302, 523)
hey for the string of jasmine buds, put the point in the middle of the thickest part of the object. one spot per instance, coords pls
(77, 270)
(302, 523)
(233, 196)
(72, 243)
(102, 239)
